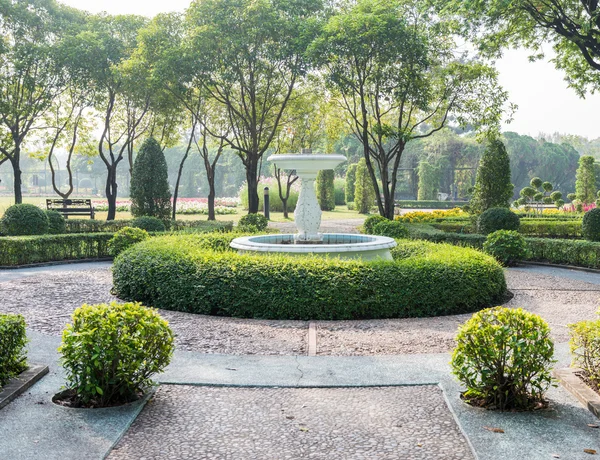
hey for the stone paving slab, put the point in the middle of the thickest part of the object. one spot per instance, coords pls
(195, 422)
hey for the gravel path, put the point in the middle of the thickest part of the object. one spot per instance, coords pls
(48, 299)
(188, 422)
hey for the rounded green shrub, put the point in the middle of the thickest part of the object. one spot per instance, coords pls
(504, 357)
(178, 272)
(56, 222)
(507, 246)
(497, 219)
(149, 223)
(110, 351)
(24, 219)
(13, 355)
(125, 238)
(253, 223)
(590, 226)
(391, 228)
(370, 223)
(585, 349)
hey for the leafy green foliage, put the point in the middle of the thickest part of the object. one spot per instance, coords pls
(364, 193)
(371, 222)
(340, 191)
(497, 219)
(391, 228)
(504, 357)
(109, 352)
(429, 179)
(13, 355)
(24, 219)
(590, 226)
(56, 222)
(93, 226)
(326, 189)
(493, 188)
(413, 204)
(175, 272)
(149, 223)
(252, 223)
(150, 194)
(585, 183)
(585, 348)
(125, 238)
(506, 246)
(350, 182)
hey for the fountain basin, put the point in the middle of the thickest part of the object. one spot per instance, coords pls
(342, 245)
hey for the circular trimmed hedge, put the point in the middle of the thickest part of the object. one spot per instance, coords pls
(184, 273)
(25, 219)
(497, 219)
(590, 226)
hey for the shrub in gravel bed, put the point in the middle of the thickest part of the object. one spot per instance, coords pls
(13, 355)
(504, 357)
(179, 273)
(371, 222)
(24, 219)
(497, 219)
(253, 223)
(506, 246)
(125, 238)
(110, 351)
(585, 347)
(22, 250)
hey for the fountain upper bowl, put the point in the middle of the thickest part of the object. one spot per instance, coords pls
(307, 163)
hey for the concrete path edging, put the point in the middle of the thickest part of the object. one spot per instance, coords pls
(21, 383)
(588, 397)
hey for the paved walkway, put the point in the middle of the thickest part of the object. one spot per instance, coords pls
(34, 428)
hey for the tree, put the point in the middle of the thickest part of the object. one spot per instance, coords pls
(249, 56)
(585, 183)
(150, 194)
(572, 27)
(364, 193)
(393, 68)
(493, 188)
(326, 189)
(31, 71)
(429, 179)
(350, 182)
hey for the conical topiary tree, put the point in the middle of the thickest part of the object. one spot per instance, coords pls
(493, 188)
(150, 194)
(364, 192)
(350, 182)
(326, 189)
(585, 184)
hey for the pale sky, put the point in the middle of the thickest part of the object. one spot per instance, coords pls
(545, 103)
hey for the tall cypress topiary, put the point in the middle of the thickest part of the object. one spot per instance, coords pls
(326, 189)
(350, 182)
(429, 179)
(364, 192)
(150, 194)
(493, 188)
(585, 184)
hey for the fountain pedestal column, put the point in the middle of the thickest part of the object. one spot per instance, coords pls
(308, 212)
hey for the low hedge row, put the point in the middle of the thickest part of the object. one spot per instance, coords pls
(13, 356)
(103, 226)
(579, 253)
(22, 250)
(415, 204)
(182, 273)
(542, 228)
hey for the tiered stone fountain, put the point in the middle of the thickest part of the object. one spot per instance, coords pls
(307, 217)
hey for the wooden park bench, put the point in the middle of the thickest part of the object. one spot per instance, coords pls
(71, 207)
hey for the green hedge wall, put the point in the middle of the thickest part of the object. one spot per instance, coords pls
(542, 228)
(424, 204)
(181, 273)
(102, 226)
(22, 250)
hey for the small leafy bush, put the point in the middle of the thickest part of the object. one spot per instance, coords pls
(591, 225)
(391, 228)
(504, 357)
(13, 356)
(497, 219)
(24, 219)
(350, 206)
(585, 348)
(109, 352)
(507, 246)
(125, 238)
(253, 223)
(149, 223)
(370, 223)
(56, 222)
(184, 273)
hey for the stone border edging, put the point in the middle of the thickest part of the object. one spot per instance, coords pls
(569, 267)
(20, 384)
(588, 397)
(56, 262)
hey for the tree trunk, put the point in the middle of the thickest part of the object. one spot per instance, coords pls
(285, 209)
(252, 180)
(176, 191)
(111, 192)
(211, 197)
(17, 176)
